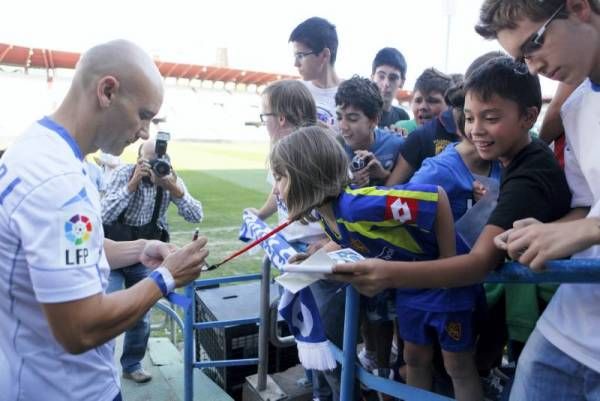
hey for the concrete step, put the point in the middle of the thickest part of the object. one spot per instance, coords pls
(165, 363)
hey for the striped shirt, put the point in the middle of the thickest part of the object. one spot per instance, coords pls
(139, 205)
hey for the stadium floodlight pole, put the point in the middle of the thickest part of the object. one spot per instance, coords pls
(250, 245)
(449, 7)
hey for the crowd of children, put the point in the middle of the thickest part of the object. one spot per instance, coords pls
(465, 135)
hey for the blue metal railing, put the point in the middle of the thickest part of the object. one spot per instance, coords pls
(557, 271)
(189, 360)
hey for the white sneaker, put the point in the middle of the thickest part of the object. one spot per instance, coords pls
(394, 354)
(367, 360)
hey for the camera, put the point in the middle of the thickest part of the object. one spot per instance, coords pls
(358, 163)
(161, 165)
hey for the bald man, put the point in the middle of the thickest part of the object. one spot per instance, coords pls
(56, 321)
(134, 206)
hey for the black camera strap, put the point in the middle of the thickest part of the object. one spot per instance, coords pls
(157, 205)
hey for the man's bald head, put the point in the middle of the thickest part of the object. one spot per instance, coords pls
(147, 150)
(121, 59)
(116, 91)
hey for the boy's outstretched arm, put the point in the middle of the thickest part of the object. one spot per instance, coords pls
(371, 276)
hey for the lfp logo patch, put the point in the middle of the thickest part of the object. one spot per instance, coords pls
(78, 229)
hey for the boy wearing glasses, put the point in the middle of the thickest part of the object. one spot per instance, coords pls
(315, 45)
(560, 40)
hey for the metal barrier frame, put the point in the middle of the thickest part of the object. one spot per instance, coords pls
(557, 271)
(190, 324)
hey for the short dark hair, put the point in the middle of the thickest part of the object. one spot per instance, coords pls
(499, 76)
(392, 57)
(481, 60)
(317, 34)
(432, 80)
(497, 15)
(361, 93)
(455, 95)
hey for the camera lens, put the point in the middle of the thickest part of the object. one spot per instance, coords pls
(357, 163)
(161, 167)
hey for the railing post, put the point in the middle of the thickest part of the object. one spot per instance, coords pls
(349, 347)
(263, 328)
(188, 338)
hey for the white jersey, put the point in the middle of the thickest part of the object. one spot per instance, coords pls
(572, 319)
(51, 241)
(325, 100)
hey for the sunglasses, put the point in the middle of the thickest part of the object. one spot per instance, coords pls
(535, 42)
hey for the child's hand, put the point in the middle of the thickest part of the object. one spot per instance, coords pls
(533, 243)
(478, 190)
(297, 258)
(368, 276)
(376, 170)
(361, 177)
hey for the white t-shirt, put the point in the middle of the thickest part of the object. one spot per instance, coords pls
(51, 250)
(325, 100)
(572, 319)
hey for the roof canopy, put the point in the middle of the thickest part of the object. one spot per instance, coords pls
(29, 57)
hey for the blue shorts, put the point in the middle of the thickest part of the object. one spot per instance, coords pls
(455, 331)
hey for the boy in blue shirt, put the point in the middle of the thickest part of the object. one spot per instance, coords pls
(359, 107)
(501, 105)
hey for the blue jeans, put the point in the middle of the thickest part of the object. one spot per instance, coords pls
(546, 373)
(136, 338)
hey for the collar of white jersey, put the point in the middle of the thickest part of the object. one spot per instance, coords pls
(63, 133)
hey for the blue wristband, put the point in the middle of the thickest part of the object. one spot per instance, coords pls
(159, 279)
(160, 282)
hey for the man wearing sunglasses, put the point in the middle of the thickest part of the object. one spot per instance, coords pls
(560, 39)
(315, 45)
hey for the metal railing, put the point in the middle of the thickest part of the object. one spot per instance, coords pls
(170, 320)
(558, 271)
(190, 325)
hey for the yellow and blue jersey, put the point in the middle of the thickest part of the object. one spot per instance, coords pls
(391, 223)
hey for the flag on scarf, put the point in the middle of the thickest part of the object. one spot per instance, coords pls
(298, 310)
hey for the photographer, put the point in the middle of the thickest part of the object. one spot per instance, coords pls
(134, 206)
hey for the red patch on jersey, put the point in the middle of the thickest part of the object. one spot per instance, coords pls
(402, 210)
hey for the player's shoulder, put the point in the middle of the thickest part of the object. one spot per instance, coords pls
(40, 159)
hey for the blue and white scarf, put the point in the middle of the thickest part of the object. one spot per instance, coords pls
(298, 310)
